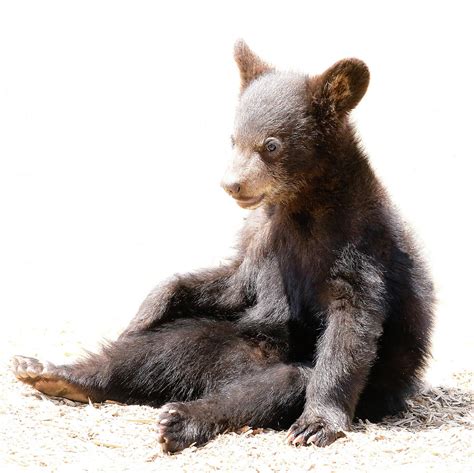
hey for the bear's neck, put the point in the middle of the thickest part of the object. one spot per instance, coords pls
(342, 181)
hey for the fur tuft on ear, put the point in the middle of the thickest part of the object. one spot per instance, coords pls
(250, 65)
(343, 84)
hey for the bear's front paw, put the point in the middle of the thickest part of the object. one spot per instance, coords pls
(313, 430)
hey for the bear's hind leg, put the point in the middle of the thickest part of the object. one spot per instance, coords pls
(50, 379)
(183, 360)
(271, 397)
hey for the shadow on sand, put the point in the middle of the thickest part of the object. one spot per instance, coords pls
(433, 408)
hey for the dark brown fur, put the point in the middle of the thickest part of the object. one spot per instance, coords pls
(324, 313)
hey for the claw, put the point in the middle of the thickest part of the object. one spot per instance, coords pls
(298, 440)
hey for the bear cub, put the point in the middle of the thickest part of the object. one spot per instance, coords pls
(323, 314)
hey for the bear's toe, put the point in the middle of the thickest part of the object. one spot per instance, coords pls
(28, 369)
(180, 425)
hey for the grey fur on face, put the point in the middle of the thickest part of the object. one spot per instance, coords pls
(273, 104)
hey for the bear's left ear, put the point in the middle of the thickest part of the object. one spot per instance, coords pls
(343, 84)
(250, 65)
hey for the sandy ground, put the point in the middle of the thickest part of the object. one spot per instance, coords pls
(40, 433)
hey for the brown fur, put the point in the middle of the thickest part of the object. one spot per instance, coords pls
(323, 315)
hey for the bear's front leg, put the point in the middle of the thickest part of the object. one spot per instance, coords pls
(345, 352)
(217, 291)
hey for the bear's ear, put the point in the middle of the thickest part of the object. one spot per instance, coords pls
(343, 84)
(250, 65)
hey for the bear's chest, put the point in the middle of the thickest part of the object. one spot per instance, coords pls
(290, 260)
(286, 277)
(289, 277)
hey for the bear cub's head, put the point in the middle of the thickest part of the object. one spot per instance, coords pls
(286, 124)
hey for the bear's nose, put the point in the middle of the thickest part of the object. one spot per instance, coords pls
(232, 188)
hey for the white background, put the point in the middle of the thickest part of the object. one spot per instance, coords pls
(114, 132)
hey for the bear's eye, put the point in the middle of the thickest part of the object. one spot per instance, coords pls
(272, 145)
(232, 141)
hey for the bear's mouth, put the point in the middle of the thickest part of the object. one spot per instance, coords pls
(250, 202)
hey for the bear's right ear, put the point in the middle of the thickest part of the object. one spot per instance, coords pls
(343, 85)
(250, 65)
